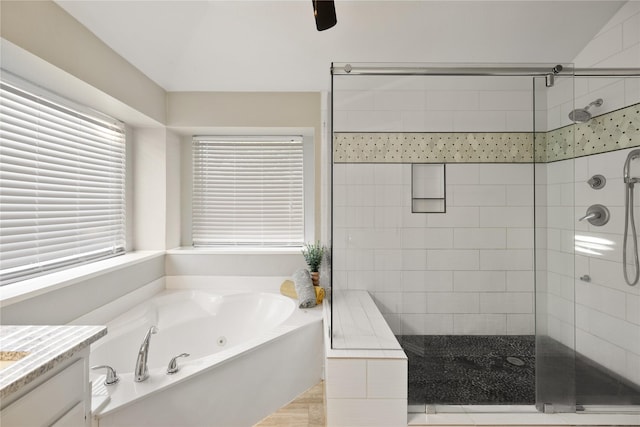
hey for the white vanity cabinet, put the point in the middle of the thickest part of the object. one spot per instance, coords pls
(61, 397)
(49, 384)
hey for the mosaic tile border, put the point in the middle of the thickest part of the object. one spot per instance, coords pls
(608, 132)
(411, 147)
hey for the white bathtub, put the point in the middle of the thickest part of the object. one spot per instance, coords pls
(250, 353)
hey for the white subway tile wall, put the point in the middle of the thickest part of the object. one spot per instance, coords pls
(598, 318)
(428, 267)
(437, 104)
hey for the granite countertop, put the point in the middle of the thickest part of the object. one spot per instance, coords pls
(46, 347)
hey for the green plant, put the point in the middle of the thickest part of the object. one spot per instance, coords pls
(313, 255)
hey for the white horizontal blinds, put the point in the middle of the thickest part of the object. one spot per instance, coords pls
(61, 185)
(248, 192)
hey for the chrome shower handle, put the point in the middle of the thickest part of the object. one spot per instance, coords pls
(596, 215)
(592, 215)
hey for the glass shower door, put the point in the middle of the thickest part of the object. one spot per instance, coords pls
(587, 316)
(607, 310)
(554, 249)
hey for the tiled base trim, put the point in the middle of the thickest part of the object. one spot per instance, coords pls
(517, 419)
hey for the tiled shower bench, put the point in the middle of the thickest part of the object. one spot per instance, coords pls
(366, 369)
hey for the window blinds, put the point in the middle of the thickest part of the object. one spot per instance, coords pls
(62, 186)
(248, 192)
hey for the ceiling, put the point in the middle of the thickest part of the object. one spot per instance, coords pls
(271, 45)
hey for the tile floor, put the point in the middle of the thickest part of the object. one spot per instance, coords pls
(307, 410)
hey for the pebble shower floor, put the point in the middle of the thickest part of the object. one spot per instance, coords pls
(470, 370)
(500, 370)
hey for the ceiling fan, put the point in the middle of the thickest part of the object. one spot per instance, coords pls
(325, 13)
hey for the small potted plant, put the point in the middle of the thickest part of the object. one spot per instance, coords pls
(313, 256)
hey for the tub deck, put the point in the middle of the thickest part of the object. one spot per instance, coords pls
(220, 386)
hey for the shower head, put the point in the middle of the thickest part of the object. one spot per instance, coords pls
(582, 115)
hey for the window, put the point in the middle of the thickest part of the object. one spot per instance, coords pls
(248, 191)
(62, 183)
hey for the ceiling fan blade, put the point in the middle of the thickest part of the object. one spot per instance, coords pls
(325, 14)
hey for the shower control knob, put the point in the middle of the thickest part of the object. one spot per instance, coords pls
(597, 182)
(597, 215)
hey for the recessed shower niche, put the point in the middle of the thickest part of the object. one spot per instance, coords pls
(428, 188)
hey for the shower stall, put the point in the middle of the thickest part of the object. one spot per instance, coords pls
(483, 210)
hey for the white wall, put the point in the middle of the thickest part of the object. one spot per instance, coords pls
(149, 168)
(156, 186)
(88, 292)
(616, 45)
(45, 30)
(278, 264)
(173, 191)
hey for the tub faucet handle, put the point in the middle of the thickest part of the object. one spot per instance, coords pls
(173, 364)
(112, 376)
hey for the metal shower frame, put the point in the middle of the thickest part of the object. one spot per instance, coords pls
(465, 69)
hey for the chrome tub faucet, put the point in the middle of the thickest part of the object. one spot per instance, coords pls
(141, 372)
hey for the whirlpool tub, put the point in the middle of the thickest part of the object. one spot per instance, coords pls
(249, 354)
